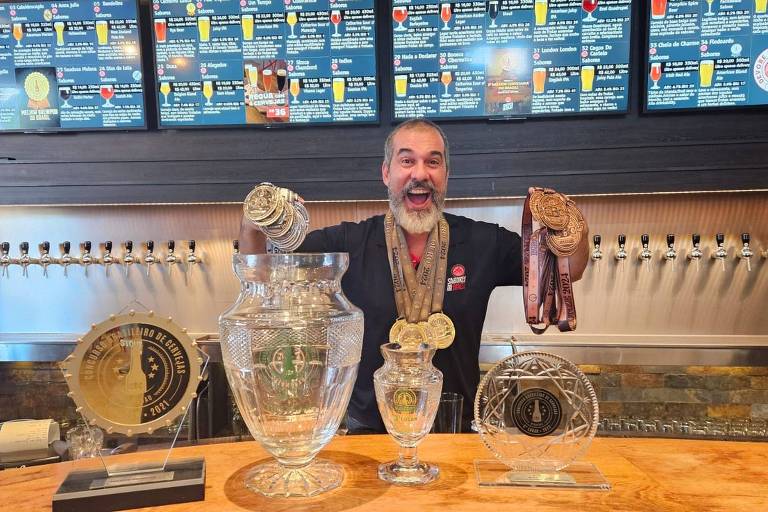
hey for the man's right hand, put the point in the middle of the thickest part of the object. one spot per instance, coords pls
(252, 239)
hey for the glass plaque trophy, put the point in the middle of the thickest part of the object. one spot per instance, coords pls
(537, 413)
(132, 374)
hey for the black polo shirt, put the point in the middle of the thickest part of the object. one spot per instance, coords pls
(481, 256)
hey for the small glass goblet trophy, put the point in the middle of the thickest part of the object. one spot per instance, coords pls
(408, 392)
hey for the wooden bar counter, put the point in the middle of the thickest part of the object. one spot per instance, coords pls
(646, 475)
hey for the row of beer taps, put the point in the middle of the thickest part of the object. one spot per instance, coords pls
(144, 255)
(694, 255)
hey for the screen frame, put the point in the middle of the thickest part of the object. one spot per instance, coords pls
(523, 117)
(143, 127)
(265, 126)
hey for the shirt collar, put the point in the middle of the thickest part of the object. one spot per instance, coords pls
(457, 235)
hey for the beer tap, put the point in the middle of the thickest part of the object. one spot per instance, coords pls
(128, 258)
(671, 254)
(646, 254)
(149, 258)
(746, 253)
(45, 257)
(86, 259)
(236, 246)
(192, 258)
(24, 260)
(597, 254)
(106, 257)
(720, 253)
(696, 254)
(171, 259)
(621, 252)
(65, 260)
(5, 260)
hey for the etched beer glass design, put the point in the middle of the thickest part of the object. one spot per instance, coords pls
(294, 88)
(540, 12)
(161, 30)
(709, 8)
(446, 77)
(107, 91)
(18, 33)
(339, 84)
(291, 345)
(246, 22)
(539, 79)
(208, 91)
(400, 14)
(655, 74)
(706, 72)
(761, 6)
(493, 12)
(102, 32)
(58, 26)
(401, 85)
(165, 90)
(65, 93)
(589, 6)
(204, 28)
(335, 19)
(291, 18)
(267, 78)
(252, 72)
(445, 14)
(587, 78)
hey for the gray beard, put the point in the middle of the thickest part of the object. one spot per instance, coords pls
(416, 222)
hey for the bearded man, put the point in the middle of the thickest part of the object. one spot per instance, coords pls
(480, 256)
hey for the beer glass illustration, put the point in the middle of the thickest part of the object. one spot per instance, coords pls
(589, 6)
(540, 12)
(18, 33)
(335, 19)
(709, 8)
(252, 72)
(706, 72)
(446, 77)
(65, 93)
(282, 78)
(655, 74)
(295, 88)
(493, 12)
(291, 18)
(401, 85)
(58, 26)
(161, 29)
(247, 24)
(107, 91)
(445, 14)
(165, 90)
(658, 9)
(761, 6)
(587, 78)
(102, 32)
(539, 79)
(204, 28)
(339, 84)
(400, 14)
(267, 79)
(208, 91)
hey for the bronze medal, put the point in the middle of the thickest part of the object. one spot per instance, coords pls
(565, 242)
(412, 335)
(549, 208)
(442, 330)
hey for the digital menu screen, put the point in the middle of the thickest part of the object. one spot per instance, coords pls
(265, 62)
(73, 65)
(510, 58)
(707, 53)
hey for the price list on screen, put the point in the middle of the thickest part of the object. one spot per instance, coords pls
(70, 65)
(256, 62)
(707, 53)
(510, 57)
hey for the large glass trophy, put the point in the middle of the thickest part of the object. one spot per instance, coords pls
(291, 345)
(132, 374)
(537, 413)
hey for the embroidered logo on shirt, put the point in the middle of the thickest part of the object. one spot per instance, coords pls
(458, 281)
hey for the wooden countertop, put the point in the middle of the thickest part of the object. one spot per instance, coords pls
(646, 475)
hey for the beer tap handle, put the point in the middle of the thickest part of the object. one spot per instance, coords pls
(46, 246)
(108, 246)
(128, 246)
(746, 253)
(24, 259)
(24, 247)
(171, 245)
(622, 240)
(596, 239)
(644, 239)
(87, 246)
(745, 238)
(670, 240)
(236, 246)
(192, 245)
(150, 245)
(696, 239)
(720, 239)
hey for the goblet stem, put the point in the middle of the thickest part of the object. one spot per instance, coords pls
(408, 456)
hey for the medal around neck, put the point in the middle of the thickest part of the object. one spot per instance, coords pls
(537, 413)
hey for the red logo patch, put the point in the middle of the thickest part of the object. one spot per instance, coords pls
(457, 270)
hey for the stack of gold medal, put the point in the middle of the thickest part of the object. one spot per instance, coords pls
(419, 292)
(279, 215)
(565, 223)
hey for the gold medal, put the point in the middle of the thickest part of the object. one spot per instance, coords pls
(260, 202)
(549, 208)
(565, 242)
(442, 330)
(276, 213)
(412, 335)
(394, 331)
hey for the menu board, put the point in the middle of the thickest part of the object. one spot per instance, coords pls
(256, 62)
(707, 53)
(510, 57)
(73, 65)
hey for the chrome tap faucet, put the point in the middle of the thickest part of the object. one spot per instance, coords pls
(192, 258)
(5, 260)
(106, 257)
(149, 258)
(621, 252)
(720, 253)
(645, 254)
(86, 259)
(45, 257)
(597, 254)
(171, 259)
(128, 257)
(671, 254)
(65, 260)
(746, 253)
(695, 254)
(24, 260)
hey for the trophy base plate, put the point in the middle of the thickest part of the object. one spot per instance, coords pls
(182, 481)
(578, 475)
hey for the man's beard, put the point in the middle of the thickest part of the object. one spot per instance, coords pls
(417, 221)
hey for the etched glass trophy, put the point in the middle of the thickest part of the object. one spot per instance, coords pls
(537, 413)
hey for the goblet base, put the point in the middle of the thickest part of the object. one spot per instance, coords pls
(277, 481)
(417, 474)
